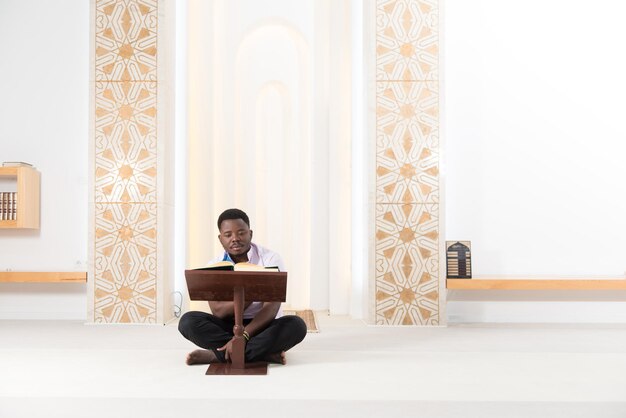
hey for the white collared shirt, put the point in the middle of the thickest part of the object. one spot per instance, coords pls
(261, 257)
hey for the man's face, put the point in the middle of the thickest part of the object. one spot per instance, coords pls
(235, 236)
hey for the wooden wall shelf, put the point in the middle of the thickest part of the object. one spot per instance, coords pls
(536, 284)
(43, 277)
(27, 185)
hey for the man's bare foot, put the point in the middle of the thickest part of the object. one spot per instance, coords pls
(201, 357)
(279, 358)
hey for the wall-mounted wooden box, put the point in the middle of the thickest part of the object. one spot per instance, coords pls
(25, 181)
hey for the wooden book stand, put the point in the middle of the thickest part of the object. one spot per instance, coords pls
(220, 285)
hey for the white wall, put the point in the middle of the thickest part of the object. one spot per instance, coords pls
(535, 135)
(535, 143)
(44, 102)
(534, 148)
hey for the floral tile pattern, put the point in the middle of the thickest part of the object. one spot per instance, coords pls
(125, 263)
(407, 264)
(126, 40)
(407, 40)
(125, 162)
(407, 163)
(407, 142)
(125, 142)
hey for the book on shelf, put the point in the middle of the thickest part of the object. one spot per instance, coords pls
(14, 206)
(16, 164)
(8, 206)
(230, 266)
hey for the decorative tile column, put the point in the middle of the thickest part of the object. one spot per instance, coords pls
(408, 279)
(124, 204)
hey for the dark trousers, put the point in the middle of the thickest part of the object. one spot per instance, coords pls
(210, 332)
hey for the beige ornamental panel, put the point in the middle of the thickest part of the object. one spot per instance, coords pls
(124, 162)
(408, 280)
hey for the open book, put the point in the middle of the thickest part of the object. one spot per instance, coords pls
(229, 265)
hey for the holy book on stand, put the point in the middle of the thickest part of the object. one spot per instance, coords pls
(229, 265)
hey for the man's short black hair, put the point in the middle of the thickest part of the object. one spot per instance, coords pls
(232, 214)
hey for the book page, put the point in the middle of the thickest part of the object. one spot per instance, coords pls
(253, 267)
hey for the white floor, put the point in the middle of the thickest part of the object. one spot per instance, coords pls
(67, 369)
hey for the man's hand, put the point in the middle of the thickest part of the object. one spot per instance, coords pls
(228, 349)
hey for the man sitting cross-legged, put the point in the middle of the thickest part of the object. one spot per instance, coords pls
(268, 334)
